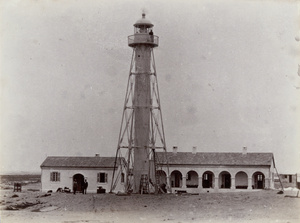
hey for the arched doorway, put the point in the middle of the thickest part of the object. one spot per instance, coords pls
(224, 180)
(162, 177)
(258, 180)
(176, 179)
(192, 179)
(208, 179)
(241, 180)
(80, 182)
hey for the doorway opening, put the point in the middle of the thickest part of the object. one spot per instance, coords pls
(192, 179)
(259, 180)
(225, 180)
(241, 180)
(176, 179)
(80, 182)
(207, 179)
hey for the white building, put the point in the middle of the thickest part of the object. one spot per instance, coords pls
(286, 180)
(195, 172)
(60, 172)
(190, 172)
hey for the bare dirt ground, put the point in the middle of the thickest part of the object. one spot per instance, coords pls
(255, 206)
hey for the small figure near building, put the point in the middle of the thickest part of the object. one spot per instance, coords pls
(74, 186)
(85, 186)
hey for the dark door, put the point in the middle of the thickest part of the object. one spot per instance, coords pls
(80, 181)
(227, 180)
(207, 180)
(177, 179)
(260, 181)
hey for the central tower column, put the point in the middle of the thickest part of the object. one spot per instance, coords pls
(142, 105)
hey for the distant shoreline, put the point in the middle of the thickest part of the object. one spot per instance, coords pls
(21, 177)
(19, 173)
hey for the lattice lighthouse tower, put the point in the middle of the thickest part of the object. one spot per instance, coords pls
(141, 133)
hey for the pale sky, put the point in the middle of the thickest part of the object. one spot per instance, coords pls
(227, 74)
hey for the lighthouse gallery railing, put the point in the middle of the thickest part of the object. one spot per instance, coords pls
(142, 38)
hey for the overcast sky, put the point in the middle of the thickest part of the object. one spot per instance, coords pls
(227, 73)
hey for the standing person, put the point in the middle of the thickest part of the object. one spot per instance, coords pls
(86, 184)
(151, 35)
(74, 186)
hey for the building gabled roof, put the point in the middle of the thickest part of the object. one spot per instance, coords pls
(236, 159)
(86, 162)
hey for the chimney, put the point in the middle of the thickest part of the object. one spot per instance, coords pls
(175, 148)
(97, 155)
(194, 150)
(244, 150)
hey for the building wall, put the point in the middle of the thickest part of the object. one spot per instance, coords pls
(66, 178)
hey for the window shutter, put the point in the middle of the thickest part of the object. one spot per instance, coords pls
(50, 176)
(98, 177)
(58, 176)
(105, 177)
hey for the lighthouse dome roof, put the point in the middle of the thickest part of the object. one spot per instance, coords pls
(143, 21)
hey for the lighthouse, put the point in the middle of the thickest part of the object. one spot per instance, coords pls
(141, 134)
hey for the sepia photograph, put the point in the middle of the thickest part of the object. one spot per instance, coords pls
(149, 111)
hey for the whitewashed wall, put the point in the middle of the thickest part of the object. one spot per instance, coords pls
(66, 178)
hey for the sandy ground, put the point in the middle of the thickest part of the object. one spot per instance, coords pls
(254, 206)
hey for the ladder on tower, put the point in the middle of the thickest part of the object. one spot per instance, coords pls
(144, 184)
